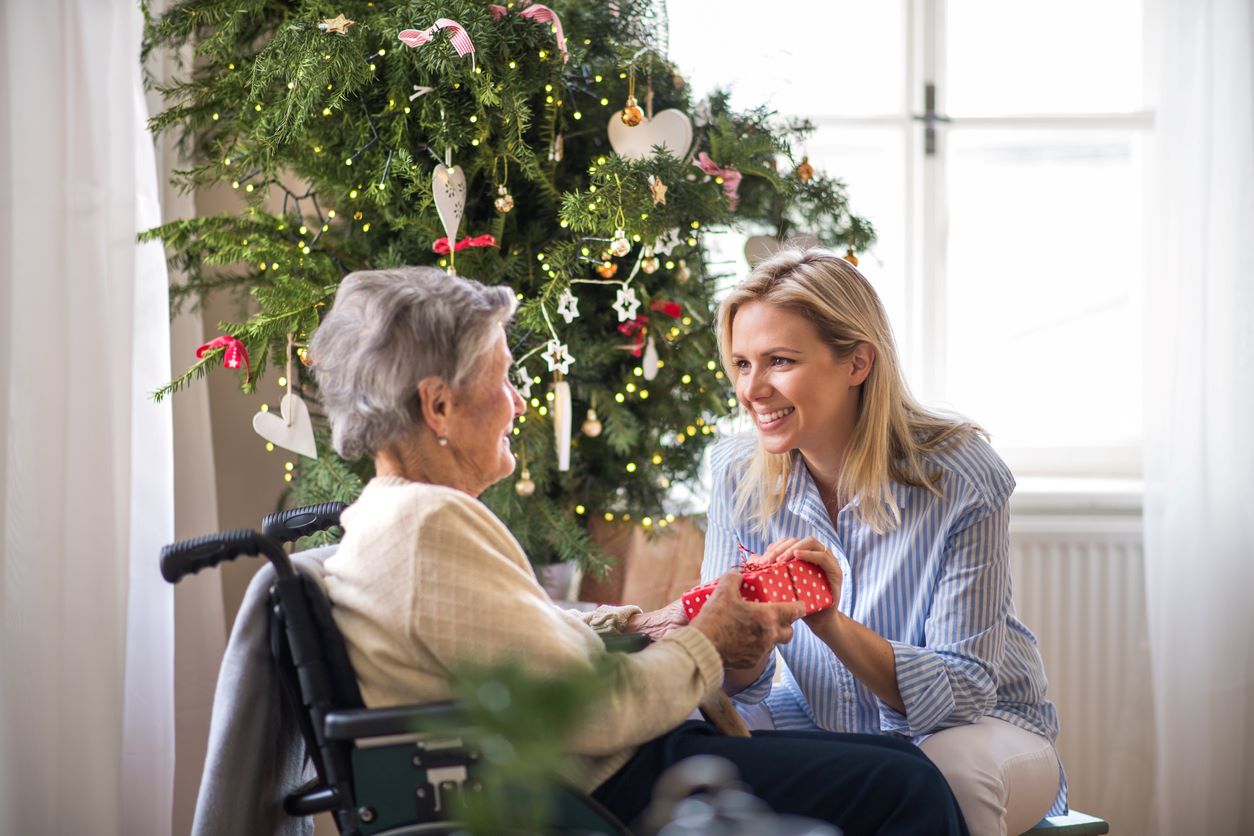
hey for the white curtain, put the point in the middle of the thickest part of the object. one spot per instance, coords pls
(1200, 413)
(86, 623)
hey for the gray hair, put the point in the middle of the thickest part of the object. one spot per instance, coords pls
(386, 331)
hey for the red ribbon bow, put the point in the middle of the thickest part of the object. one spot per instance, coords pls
(730, 175)
(457, 37)
(667, 306)
(441, 244)
(232, 356)
(540, 14)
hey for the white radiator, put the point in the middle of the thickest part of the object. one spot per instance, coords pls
(1079, 585)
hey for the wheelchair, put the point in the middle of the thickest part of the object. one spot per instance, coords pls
(377, 772)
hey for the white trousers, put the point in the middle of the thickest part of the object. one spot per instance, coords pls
(1005, 778)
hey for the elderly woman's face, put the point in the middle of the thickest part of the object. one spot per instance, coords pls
(483, 418)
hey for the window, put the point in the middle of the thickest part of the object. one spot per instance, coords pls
(1009, 211)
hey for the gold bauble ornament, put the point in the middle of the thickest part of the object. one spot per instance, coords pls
(592, 424)
(805, 171)
(682, 274)
(524, 486)
(850, 257)
(631, 115)
(607, 269)
(620, 246)
(650, 264)
(504, 201)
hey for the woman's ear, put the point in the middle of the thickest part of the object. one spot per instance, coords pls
(861, 362)
(434, 401)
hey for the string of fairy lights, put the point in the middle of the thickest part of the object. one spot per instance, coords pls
(307, 228)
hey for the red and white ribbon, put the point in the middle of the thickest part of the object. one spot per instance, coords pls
(730, 175)
(234, 353)
(457, 37)
(441, 244)
(540, 14)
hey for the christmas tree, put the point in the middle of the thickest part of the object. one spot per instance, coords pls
(552, 149)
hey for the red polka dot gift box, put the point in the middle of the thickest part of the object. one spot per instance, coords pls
(787, 580)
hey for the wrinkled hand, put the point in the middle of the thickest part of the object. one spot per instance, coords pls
(810, 549)
(744, 631)
(658, 623)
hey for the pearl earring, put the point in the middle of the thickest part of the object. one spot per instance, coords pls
(442, 440)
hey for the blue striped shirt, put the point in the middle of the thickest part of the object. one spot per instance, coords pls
(937, 588)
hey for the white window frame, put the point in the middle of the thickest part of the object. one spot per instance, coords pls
(924, 335)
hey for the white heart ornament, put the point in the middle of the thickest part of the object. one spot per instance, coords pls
(449, 190)
(761, 247)
(672, 129)
(291, 429)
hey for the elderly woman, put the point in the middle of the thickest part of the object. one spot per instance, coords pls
(413, 366)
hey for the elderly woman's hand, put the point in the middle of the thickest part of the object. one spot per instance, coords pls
(744, 631)
(658, 623)
(811, 550)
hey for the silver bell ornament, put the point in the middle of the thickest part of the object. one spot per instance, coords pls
(524, 486)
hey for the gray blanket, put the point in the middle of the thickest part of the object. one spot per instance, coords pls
(256, 756)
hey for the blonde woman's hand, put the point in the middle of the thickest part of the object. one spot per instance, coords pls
(811, 550)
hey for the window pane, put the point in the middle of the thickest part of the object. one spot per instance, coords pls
(1065, 56)
(800, 57)
(1044, 335)
(871, 161)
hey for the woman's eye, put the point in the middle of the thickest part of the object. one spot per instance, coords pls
(780, 361)
(740, 365)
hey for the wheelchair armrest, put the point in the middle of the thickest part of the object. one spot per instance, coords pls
(359, 723)
(625, 642)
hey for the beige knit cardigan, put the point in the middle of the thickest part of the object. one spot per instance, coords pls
(427, 578)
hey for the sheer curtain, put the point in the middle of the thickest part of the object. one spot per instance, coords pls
(1200, 447)
(86, 623)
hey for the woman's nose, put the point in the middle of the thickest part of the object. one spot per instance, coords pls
(520, 406)
(756, 385)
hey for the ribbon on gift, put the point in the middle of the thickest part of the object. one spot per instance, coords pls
(730, 175)
(540, 14)
(457, 37)
(441, 244)
(233, 353)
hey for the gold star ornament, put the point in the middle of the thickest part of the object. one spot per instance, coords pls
(658, 189)
(337, 25)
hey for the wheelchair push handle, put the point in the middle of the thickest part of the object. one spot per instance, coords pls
(187, 557)
(294, 523)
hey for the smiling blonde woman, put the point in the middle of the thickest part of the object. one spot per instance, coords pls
(907, 510)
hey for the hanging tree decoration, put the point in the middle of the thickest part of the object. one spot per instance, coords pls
(522, 381)
(561, 421)
(504, 201)
(540, 14)
(557, 356)
(291, 429)
(457, 37)
(626, 303)
(337, 25)
(657, 189)
(728, 177)
(448, 188)
(634, 139)
(233, 353)
(568, 306)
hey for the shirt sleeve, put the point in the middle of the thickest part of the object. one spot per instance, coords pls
(720, 556)
(952, 680)
(476, 601)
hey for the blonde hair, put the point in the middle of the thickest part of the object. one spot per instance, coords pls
(892, 431)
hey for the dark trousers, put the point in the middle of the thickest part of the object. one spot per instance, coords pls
(862, 783)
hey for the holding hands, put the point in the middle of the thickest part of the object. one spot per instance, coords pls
(742, 631)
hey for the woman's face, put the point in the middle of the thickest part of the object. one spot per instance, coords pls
(482, 418)
(800, 395)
